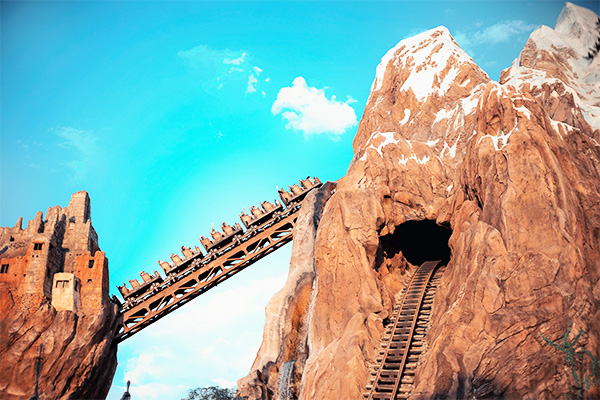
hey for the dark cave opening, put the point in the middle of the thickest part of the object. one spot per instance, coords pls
(419, 241)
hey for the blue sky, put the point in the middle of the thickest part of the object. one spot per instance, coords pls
(176, 115)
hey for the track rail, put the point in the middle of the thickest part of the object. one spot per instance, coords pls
(203, 274)
(403, 342)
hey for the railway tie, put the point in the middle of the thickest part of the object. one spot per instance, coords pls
(403, 341)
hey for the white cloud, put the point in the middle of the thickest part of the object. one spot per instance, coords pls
(85, 148)
(203, 56)
(502, 32)
(142, 367)
(84, 142)
(236, 61)
(499, 32)
(225, 383)
(307, 109)
(152, 391)
(252, 81)
(219, 68)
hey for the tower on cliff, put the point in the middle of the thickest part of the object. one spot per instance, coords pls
(57, 258)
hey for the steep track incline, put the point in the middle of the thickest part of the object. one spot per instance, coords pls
(227, 255)
(403, 342)
(205, 274)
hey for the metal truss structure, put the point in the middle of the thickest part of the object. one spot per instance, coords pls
(201, 274)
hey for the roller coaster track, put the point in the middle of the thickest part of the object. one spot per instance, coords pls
(200, 273)
(403, 341)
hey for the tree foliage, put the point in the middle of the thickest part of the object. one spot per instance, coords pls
(575, 359)
(210, 393)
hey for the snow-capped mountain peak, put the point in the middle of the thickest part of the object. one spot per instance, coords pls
(562, 66)
(580, 29)
(434, 57)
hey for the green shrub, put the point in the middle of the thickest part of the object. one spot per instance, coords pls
(575, 359)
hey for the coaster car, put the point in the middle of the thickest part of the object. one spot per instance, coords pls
(256, 217)
(297, 192)
(137, 288)
(261, 214)
(221, 239)
(179, 263)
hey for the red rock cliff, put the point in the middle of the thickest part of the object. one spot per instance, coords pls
(54, 285)
(512, 168)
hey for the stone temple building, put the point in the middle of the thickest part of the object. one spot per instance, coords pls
(57, 258)
(55, 307)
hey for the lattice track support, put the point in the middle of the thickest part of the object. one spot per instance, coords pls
(403, 341)
(204, 274)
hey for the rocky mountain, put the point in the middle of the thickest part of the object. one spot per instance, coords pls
(500, 180)
(55, 308)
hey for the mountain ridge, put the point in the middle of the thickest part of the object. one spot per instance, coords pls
(513, 169)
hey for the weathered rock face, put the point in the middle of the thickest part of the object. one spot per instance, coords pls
(512, 168)
(288, 311)
(54, 285)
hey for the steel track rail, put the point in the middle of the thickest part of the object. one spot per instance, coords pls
(388, 378)
(204, 274)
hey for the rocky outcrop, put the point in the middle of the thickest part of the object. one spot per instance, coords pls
(55, 306)
(512, 168)
(78, 360)
(287, 312)
(560, 68)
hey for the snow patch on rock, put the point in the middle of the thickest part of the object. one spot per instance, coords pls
(441, 115)
(469, 104)
(524, 110)
(449, 150)
(388, 139)
(403, 159)
(427, 54)
(499, 141)
(561, 128)
(406, 117)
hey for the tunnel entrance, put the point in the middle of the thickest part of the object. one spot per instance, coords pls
(419, 241)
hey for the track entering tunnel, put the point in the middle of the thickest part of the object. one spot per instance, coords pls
(419, 241)
(425, 245)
